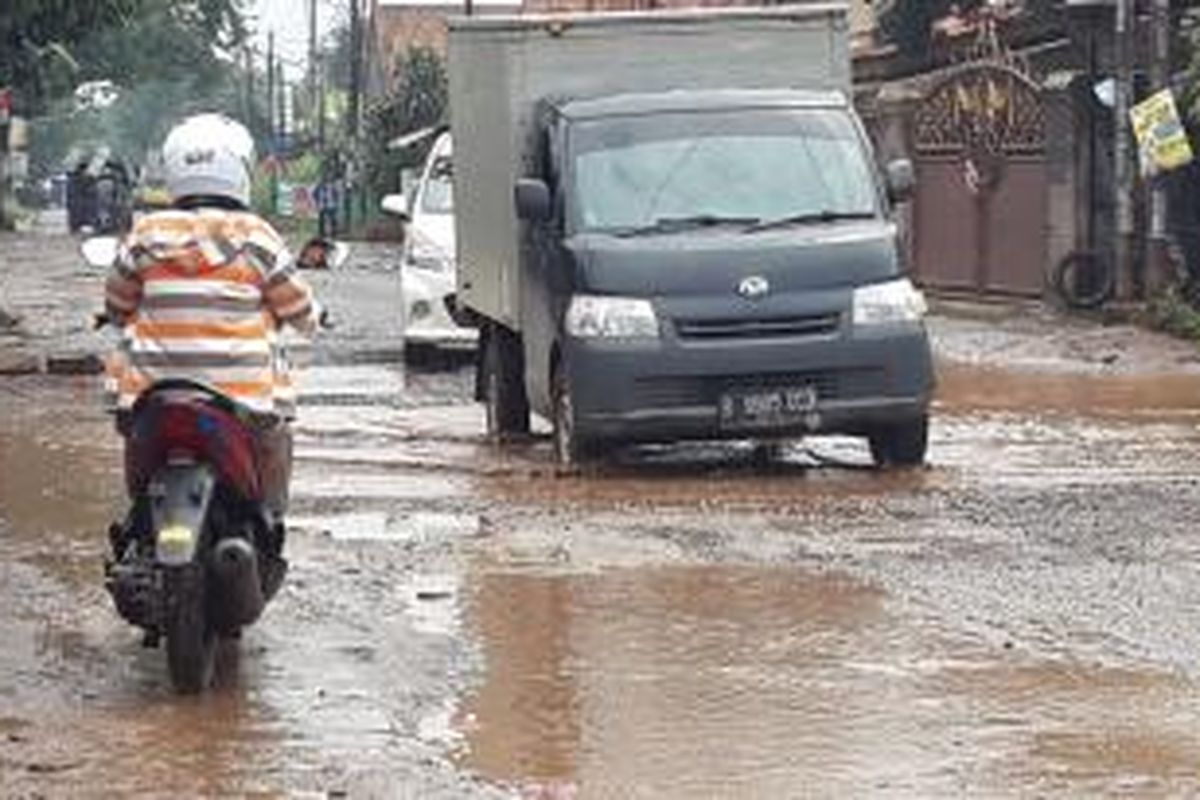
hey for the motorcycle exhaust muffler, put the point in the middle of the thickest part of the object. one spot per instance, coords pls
(239, 597)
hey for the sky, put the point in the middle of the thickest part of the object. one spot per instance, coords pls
(289, 20)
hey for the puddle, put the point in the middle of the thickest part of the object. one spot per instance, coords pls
(729, 682)
(718, 475)
(362, 485)
(667, 682)
(1162, 397)
(58, 469)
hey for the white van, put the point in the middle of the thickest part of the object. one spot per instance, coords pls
(428, 266)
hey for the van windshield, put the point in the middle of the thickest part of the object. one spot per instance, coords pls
(738, 167)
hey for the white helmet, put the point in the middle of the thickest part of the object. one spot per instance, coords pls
(209, 155)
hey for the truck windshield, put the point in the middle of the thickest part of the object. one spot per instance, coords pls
(654, 173)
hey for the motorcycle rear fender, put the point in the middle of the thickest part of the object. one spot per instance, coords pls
(181, 494)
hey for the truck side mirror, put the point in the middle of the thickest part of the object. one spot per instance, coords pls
(901, 180)
(533, 200)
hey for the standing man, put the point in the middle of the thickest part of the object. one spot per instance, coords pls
(328, 199)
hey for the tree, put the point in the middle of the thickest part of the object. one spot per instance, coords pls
(418, 99)
(167, 58)
(47, 47)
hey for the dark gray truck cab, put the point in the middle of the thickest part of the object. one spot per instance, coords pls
(704, 263)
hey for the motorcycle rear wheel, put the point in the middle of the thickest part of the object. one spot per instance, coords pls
(191, 638)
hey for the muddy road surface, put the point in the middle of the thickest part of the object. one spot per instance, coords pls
(1021, 618)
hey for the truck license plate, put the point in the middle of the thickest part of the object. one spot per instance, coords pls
(768, 408)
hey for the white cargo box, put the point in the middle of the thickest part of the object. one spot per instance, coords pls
(501, 67)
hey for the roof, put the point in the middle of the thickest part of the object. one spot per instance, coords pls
(448, 5)
(700, 100)
(698, 15)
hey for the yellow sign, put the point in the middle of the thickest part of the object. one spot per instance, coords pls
(1162, 141)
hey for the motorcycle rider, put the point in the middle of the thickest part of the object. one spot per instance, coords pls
(201, 291)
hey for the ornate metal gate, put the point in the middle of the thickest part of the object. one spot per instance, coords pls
(980, 210)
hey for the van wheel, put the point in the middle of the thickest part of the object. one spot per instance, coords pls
(900, 445)
(504, 385)
(570, 449)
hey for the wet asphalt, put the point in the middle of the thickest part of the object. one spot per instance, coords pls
(1021, 618)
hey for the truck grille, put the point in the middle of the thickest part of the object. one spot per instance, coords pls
(808, 325)
(700, 390)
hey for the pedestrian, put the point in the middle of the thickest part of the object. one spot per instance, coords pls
(328, 199)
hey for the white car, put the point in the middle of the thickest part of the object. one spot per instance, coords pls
(427, 265)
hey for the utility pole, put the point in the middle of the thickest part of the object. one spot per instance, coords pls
(355, 108)
(356, 46)
(248, 62)
(312, 52)
(6, 98)
(271, 90)
(1122, 163)
(284, 96)
(272, 144)
(321, 106)
(1160, 78)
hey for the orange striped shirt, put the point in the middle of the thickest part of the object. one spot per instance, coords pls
(202, 295)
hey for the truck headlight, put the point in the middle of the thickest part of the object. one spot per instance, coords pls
(891, 302)
(598, 316)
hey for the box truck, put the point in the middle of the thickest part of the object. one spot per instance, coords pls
(671, 226)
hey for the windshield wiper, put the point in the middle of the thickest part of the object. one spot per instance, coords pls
(809, 217)
(675, 224)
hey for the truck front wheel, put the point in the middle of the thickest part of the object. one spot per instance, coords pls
(571, 449)
(504, 384)
(902, 444)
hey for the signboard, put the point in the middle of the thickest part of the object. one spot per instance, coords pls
(293, 200)
(1162, 141)
(283, 199)
(18, 166)
(18, 133)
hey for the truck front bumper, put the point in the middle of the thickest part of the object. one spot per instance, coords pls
(668, 390)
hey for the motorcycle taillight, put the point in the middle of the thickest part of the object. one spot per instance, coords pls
(178, 429)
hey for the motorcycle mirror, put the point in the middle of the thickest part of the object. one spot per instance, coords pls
(100, 251)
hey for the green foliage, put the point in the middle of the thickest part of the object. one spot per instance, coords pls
(418, 99)
(164, 57)
(304, 169)
(47, 47)
(161, 55)
(1171, 312)
(138, 121)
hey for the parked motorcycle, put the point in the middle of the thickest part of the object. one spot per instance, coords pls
(195, 559)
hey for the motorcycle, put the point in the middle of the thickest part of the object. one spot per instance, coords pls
(196, 558)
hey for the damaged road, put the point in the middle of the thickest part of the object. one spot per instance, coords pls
(1020, 618)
